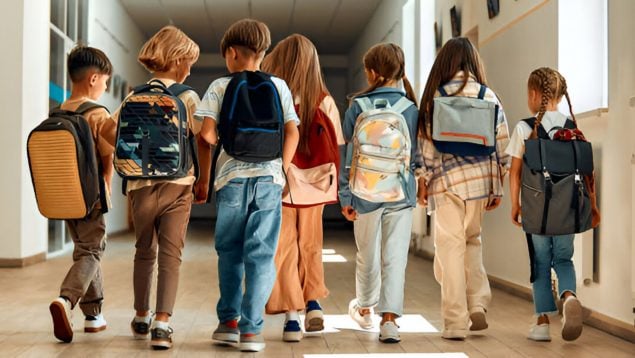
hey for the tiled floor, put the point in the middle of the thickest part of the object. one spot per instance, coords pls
(26, 329)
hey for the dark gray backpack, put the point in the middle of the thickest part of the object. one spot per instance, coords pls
(554, 197)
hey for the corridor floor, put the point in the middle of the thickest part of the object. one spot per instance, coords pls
(26, 329)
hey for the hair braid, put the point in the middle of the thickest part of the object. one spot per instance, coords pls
(565, 92)
(547, 94)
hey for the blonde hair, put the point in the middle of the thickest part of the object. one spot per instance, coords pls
(161, 52)
(552, 86)
(250, 36)
(295, 60)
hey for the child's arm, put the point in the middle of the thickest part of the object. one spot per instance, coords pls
(291, 139)
(208, 131)
(201, 189)
(344, 192)
(514, 185)
(107, 170)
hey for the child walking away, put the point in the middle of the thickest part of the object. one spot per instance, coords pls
(71, 167)
(554, 164)
(464, 132)
(378, 193)
(156, 156)
(258, 135)
(300, 280)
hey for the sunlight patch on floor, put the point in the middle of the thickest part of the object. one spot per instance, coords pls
(329, 255)
(408, 323)
(389, 355)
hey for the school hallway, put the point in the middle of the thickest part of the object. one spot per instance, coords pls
(26, 329)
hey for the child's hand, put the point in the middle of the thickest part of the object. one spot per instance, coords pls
(201, 190)
(349, 213)
(285, 190)
(516, 215)
(493, 204)
(422, 193)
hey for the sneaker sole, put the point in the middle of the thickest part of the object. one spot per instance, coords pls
(139, 336)
(314, 325)
(390, 340)
(94, 329)
(479, 322)
(61, 326)
(251, 347)
(292, 336)
(539, 339)
(225, 339)
(572, 325)
(161, 345)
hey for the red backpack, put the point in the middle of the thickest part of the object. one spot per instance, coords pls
(312, 177)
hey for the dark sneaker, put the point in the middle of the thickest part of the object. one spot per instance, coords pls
(226, 333)
(141, 327)
(478, 322)
(314, 319)
(161, 338)
(61, 313)
(292, 331)
(251, 342)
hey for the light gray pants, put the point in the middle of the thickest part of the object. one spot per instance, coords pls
(383, 238)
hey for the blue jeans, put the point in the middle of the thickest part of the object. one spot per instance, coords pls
(556, 252)
(247, 229)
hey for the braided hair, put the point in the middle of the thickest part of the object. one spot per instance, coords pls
(552, 86)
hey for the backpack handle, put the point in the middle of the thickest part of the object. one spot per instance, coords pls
(381, 103)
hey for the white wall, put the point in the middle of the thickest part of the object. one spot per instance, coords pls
(111, 30)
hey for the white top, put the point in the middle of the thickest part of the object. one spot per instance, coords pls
(516, 147)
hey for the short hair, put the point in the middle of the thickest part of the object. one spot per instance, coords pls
(166, 47)
(249, 34)
(84, 58)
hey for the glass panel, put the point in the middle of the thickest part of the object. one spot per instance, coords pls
(57, 14)
(56, 235)
(71, 19)
(57, 70)
(82, 21)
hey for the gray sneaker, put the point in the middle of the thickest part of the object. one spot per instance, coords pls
(161, 338)
(389, 333)
(140, 327)
(226, 333)
(251, 342)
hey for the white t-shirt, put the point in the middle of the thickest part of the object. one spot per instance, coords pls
(227, 167)
(516, 147)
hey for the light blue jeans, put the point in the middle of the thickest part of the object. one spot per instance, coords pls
(383, 239)
(556, 252)
(247, 229)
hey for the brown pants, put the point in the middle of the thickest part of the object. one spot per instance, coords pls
(300, 274)
(84, 280)
(160, 214)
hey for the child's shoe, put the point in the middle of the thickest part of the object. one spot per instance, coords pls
(478, 320)
(540, 333)
(251, 342)
(364, 321)
(141, 326)
(314, 319)
(389, 333)
(62, 319)
(454, 334)
(94, 324)
(161, 335)
(571, 318)
(292, 331)
(226, 333)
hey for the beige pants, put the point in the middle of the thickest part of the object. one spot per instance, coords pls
(300, 274)
(458, 260)
(160, 213)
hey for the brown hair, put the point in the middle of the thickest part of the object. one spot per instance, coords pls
(552, 86)
(387, 60)
(296, 61)
(458, 54)
(161, 52)
(84, 58)
(248, 35)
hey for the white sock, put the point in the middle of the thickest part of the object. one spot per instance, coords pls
(145, 318)
(160, 324)
(292, 316)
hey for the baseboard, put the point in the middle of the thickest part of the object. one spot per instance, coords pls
(24, 261)
(511, 288)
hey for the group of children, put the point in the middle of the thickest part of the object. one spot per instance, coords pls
(256, 237)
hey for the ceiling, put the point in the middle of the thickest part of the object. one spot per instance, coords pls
(333, 25)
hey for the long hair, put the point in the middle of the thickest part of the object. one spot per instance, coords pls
(161, 52)
(552, 86)
(458, 54)
(387, 61)
(296, 61)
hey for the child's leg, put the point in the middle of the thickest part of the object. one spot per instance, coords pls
(261, 238)
(479, 293)
(367, 230)
(89, 236)
(311, 268)
(175, 202)
(144, 212)
(562, 264)
(231, 209)
(396, 229)
(287, 291)
(543, 258)
(90, 303)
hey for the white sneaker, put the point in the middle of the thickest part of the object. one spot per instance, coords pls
(389, 333)
(314, 321)
(454, 334)
(94, 324)
(62, 319)
(365, 321)
(571, 318)
(540, 333)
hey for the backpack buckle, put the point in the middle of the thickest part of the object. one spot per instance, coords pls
(546, 174)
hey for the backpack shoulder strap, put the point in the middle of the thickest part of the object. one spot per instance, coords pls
(531, 122)
(442, 91)
(481, 92)
(364, 103)
(178, 88)
(401, 105)
(89, 106)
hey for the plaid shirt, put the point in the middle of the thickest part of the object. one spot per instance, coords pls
(470, 177)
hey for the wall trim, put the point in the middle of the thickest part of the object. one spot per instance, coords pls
(511, 24)
(24, 261)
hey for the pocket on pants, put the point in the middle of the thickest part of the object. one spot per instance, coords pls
(231, 194)
(268, 194)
